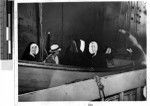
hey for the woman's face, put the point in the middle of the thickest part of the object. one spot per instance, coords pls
(34, 49)
(93, 47)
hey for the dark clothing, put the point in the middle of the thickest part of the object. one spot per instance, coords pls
(74, 56)
(29, 57)
(137, 53)
(26, 54)
(84, 59)
(99, 61)
(137, 56)
(52, 59)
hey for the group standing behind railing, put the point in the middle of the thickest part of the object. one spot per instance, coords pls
(77, 55)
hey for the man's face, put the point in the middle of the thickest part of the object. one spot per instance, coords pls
(56, 52)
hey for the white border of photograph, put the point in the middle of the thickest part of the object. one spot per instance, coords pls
(69, 103)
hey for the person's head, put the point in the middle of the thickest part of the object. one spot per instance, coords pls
(34, 49)
(54, 49)
(93, 47)
(82, 45)
(79, 45)
(108, 51)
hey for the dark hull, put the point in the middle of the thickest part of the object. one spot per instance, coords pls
(37, 76)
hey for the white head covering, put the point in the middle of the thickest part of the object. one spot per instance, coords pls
(93, 47)
(82, 45)
(34, 49)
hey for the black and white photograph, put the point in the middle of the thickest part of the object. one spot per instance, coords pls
(82, 51)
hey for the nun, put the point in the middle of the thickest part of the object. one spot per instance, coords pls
(31, 52)
(98, 59)
(75, 54)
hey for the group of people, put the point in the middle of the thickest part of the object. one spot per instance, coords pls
(80, 53)
(32, 51)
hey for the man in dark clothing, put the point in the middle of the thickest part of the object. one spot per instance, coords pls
(53, 56)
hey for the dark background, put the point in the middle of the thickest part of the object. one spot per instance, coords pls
(89, 21)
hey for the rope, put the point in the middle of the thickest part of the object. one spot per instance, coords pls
(100, 87)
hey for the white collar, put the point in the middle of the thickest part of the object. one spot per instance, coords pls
(32, 54)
